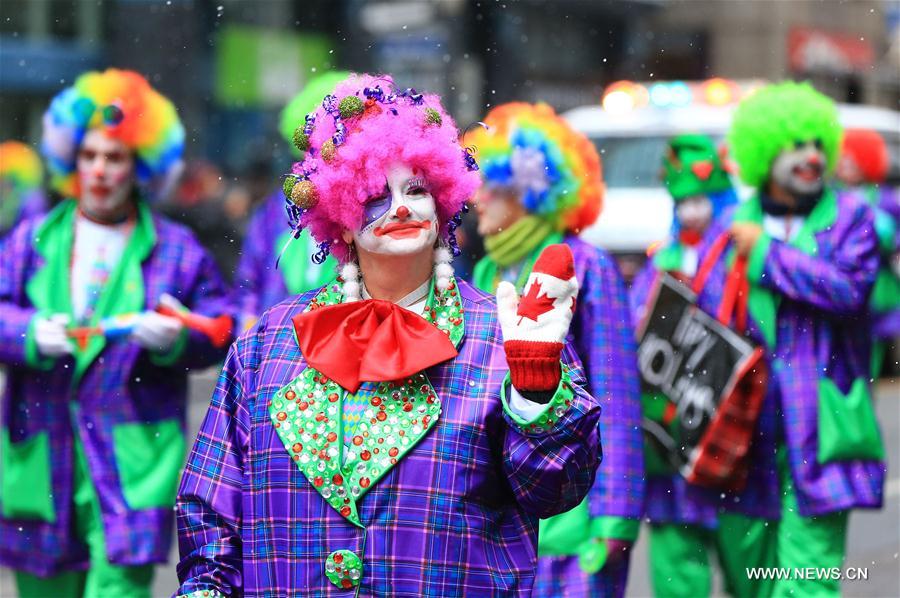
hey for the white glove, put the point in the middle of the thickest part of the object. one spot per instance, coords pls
(50, 336)
(167, 300)
(156, 332)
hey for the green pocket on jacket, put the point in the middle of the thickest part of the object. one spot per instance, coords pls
(149, 458)
(26, 488)
(848, 429)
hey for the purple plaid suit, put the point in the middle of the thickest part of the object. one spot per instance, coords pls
(821, 327)
(123, 385)
(456, 516)
(670, 499)
(602, 334)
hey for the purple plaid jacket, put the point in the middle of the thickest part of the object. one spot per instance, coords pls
(603, 336)
(456, 516)
(670, 499)
(821, 328)
(122, 386)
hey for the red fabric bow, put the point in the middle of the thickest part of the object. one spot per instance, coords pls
(372, 341)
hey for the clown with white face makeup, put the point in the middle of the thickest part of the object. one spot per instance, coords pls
(402, 221)
(84, 471)
(811, 257)
(396, 413)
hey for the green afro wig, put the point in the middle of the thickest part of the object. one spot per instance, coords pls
(774, 119)
(294, 114)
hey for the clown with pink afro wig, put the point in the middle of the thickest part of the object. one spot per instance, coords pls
(353, 138)
(392, 391)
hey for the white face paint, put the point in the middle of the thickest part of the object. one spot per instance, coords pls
(694, 213)
(800, 170)
(401, 221)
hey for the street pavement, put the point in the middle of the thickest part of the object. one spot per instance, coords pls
(873, 541)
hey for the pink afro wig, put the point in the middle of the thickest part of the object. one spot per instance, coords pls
(355, 137)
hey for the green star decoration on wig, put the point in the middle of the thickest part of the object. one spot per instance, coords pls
(692, 167)
(774, 119)
(306, 101)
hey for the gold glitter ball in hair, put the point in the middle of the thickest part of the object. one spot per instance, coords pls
(328, 150)
(351, 106)
(304, 195)
(300, 139)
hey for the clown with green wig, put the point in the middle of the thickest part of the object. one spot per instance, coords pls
(811, 259)
(684, 522)
(543, 185)
(275, 262)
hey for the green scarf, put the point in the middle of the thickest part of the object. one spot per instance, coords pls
(123, 293)
(510, 246)
(762, 303)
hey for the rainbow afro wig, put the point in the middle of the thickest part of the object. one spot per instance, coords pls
(869, 152)
(20, 167)
(774, 119)
(307, 101)
(124, 105)
(555, 169)
(350, 142)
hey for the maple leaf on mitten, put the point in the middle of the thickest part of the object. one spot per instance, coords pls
(535, 326)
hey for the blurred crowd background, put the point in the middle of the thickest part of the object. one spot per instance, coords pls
(231, 65)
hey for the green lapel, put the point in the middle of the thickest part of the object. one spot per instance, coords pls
(123, 293)
(486, 275)
(669, 258)
(307, 415)
(762, 303)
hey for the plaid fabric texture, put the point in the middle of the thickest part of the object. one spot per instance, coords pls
(456, 516)
(562, 577)
(122, 386)
(822, 330)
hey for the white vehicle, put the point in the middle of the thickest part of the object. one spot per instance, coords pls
(631, 129)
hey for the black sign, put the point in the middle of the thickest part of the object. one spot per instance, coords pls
(692, 359)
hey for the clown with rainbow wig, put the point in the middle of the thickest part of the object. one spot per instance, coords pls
(93, 304)
(543, 185)
(811, 260)
(394, 431)
(21, 181)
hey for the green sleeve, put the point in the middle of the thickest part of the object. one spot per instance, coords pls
(619, 528)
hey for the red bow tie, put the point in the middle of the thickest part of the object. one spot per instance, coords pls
(371, 341)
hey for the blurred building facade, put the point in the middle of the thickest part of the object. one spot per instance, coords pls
(230, 65)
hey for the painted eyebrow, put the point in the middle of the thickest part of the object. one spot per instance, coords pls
(415, 182)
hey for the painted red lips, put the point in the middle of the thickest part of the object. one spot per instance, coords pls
(402, 230)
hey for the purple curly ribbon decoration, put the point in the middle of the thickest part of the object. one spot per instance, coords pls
(321, 255)
(471, 164)
(454, 223)
(374, 93)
